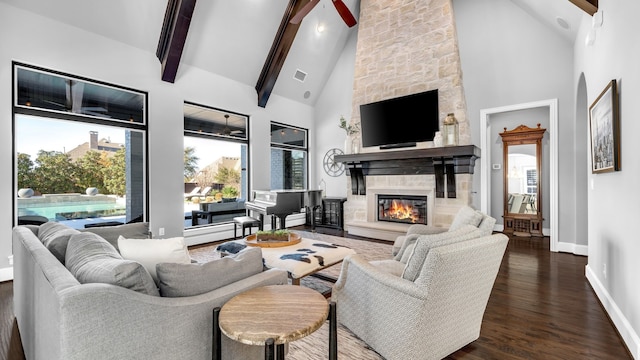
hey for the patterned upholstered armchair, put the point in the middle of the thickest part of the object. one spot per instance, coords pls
(432, 309)
(465, 216)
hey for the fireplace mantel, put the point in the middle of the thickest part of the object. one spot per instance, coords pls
(440, 161)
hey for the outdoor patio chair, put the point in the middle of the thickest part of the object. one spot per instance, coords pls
(193, 192)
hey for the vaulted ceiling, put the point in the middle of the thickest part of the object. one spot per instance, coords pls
(233, 38)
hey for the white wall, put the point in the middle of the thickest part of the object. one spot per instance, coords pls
(509, 58)
(32, 39)
(613, 238)
(335, 101)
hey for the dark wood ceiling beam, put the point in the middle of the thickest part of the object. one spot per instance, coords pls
(278, 53)
(589, 6)
(177, 19)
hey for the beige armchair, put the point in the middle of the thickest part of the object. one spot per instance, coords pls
(465, 216)
(432, 309)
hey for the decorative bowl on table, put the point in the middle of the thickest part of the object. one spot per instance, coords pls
(273, 238)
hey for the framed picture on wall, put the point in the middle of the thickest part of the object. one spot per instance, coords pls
(604, 123)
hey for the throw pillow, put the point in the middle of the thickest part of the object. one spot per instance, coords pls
(230, 247)
(55, 237)
(466, 216)
(92, 259)
(486, 225)
(426, 242)
(139, 230)
(150, 252)
(176, 280)
(406, 248)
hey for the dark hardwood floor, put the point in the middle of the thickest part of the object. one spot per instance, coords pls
(541, 307)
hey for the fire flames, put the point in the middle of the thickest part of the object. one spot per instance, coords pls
(401, 211)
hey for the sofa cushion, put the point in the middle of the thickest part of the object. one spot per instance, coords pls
(139, 230)
(426, 242)
(150, 252)
(55, 237)
(466, 216)
(92, 259)
(176, 279)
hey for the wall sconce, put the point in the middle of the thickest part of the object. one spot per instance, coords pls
(320, 28)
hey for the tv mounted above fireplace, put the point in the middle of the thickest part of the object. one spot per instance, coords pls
(401, 121)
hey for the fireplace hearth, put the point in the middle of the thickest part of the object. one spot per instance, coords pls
(406, 209)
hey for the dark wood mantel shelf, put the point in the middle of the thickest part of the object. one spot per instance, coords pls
(440, 161)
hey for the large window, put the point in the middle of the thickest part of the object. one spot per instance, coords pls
(288, 157)
(215, 165)
(80, 150)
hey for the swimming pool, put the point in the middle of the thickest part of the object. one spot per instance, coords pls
(71, 208)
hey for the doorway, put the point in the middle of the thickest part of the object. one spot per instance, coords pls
(486, 169)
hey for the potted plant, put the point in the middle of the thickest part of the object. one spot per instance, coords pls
(229, 194)
(273, 235)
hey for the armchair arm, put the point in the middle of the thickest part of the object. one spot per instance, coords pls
(370, 302)
(356, 271)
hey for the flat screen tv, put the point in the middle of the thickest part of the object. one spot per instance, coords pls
(400, 122)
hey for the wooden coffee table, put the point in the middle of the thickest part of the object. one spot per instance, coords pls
(273, 316)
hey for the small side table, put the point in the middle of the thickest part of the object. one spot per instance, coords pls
(273, 316)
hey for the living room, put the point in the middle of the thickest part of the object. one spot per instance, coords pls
(507, 57)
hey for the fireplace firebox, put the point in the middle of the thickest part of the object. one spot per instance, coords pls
(410, 209)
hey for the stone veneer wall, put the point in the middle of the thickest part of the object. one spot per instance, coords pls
(406, 47)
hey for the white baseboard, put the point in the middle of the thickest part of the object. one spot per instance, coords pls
(562, 247)
(573, 248)
(6, 274)
(626, 331)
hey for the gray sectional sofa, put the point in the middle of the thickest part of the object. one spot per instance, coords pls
(60, 317)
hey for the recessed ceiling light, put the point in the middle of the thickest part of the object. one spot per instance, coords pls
(563, 23)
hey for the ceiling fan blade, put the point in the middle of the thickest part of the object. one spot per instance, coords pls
(345, 13)
(297, 18)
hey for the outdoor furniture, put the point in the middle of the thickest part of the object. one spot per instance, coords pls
(193, 192)
(205, 192)
(102, 224)
(215, 212)
(245, 222)
(443, 306)
(32, 220)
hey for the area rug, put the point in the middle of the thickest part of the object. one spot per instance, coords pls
(316, 345)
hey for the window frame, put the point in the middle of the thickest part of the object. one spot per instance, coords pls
(204, 134)
(20, 109)
(291, 147)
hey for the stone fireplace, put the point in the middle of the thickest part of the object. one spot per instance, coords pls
(404, 209)
(405, 48)
(361, 211)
